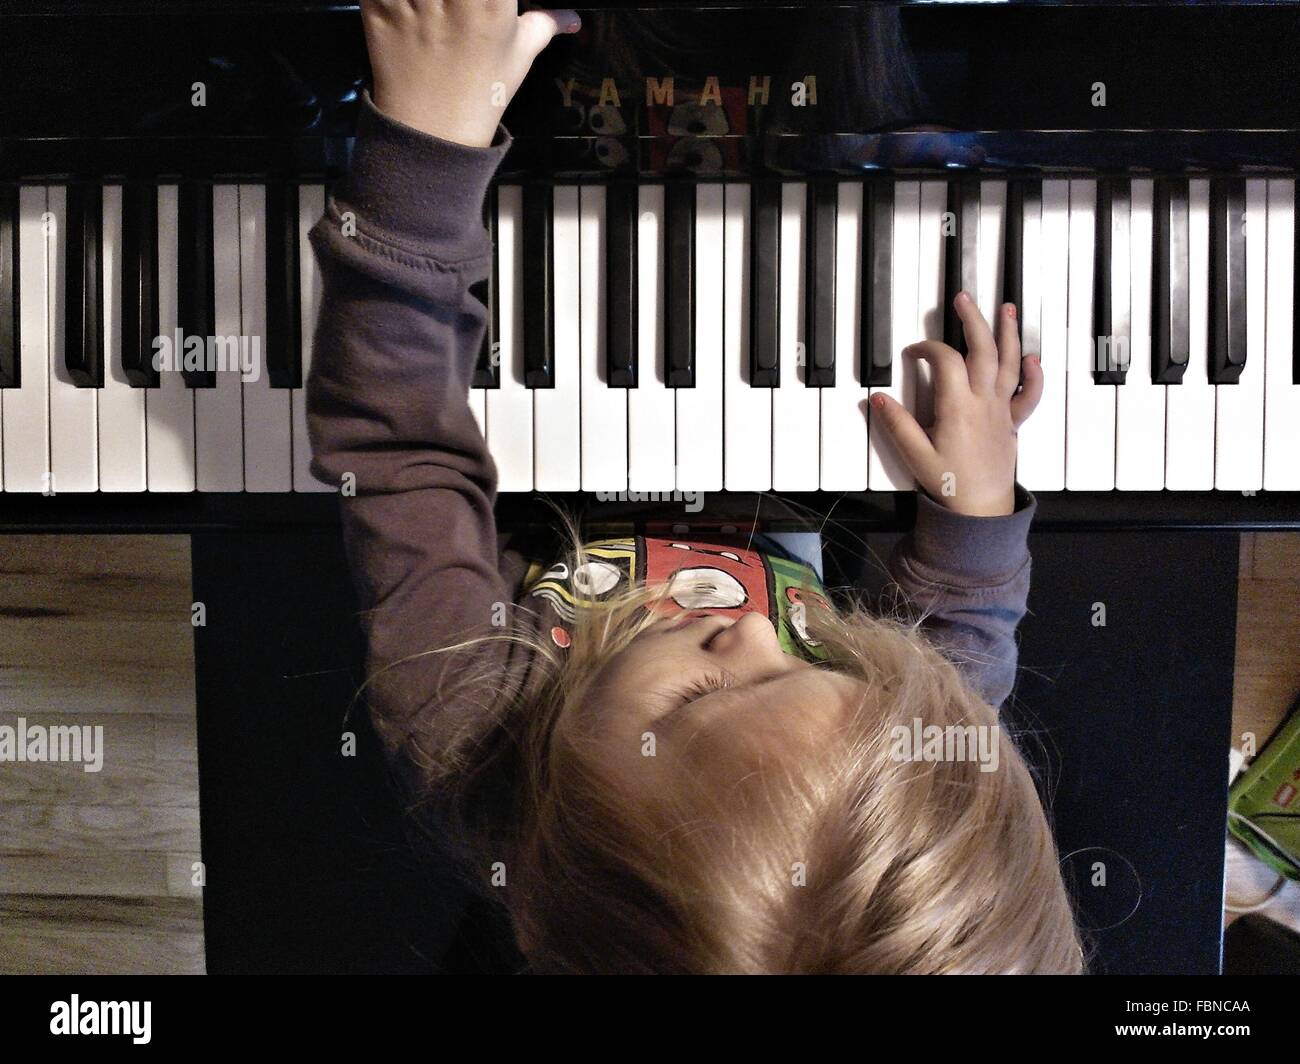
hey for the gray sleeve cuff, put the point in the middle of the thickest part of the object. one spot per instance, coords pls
(965, 551)
(418, 192)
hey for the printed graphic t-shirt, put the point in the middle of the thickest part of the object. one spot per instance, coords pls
(703, 576)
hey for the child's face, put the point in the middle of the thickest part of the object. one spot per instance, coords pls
(714, 683)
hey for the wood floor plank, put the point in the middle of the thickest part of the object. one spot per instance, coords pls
(78, 952)
(59, 828)
(96, 868)
(104, 874)
(63, 912)
(1276, 556)
(127, 737)
(130, 783)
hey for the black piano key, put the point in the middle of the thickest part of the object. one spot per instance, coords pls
(487, 369)
(877, 292)
(679, 284)
(621, 200)
(539, 276)
(1227, 279)
(283, 344)
(765, 284)
(1171, 338)
(195, 295)
(9, 295)
(139, 283)
(83, 328)
(819, 284)
(1013, 270)
(1111, 289)
(1295, 299)
(961, 255)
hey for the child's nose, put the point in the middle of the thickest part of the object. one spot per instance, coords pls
(751, 641)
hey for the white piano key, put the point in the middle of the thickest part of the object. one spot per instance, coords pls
(26, 424)
(1281, 393)
(604, 409)
(509, 406)
(1189, 406)
(887, 470)
(121, 407)
(169, 408)
(557, 440)
(1239, 408)
(993, 210)
(844, 407)
(478, 407)
(699, 429)
(651, 405)
(311, 206)
(1041, 462)
(1140, 409)
(930, 294)
(268, 412)
(747, 412)
(218, 411)
(74, 434)
(1031, 281)
(1089, 407)
(796, 408)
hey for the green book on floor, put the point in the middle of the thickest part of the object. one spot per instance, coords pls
(1264, 803)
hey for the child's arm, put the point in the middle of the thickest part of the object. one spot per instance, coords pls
(966, 563)
(401, 241)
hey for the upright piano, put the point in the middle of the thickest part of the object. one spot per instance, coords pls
(718, 225)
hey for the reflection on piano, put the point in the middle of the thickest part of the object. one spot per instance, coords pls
(702, 269)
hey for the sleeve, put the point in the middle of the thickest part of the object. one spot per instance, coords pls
(969, 577)
(401, 241)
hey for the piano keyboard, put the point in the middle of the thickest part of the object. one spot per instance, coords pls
(676, 337)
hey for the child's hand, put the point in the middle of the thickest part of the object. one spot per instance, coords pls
(449, 67)
(966, 460)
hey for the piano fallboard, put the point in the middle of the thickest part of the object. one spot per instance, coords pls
(857, 512)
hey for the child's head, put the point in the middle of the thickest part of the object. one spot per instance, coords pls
(693, 799)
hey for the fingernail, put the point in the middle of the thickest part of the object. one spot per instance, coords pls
(878, 401)
(962, 297)
(1011, 310)
(574, 24)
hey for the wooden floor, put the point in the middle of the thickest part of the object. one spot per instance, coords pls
(97, 869)
(1266, 685)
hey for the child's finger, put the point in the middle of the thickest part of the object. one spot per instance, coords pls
(1008, 350)
(981, 349)
(538, 26)
(948, 368)
(913, 445)
(1022, 404)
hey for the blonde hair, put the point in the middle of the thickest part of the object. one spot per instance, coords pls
(848, 860)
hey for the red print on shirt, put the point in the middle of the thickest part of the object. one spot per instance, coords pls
(710, 578)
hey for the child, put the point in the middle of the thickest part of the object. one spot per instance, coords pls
(664, 773)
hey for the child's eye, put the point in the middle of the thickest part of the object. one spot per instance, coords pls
(707, 685)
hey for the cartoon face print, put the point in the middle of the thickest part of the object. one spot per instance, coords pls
(797, 614)
(595, 578)
(730, 555)
(705, 587)
(707, 576)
